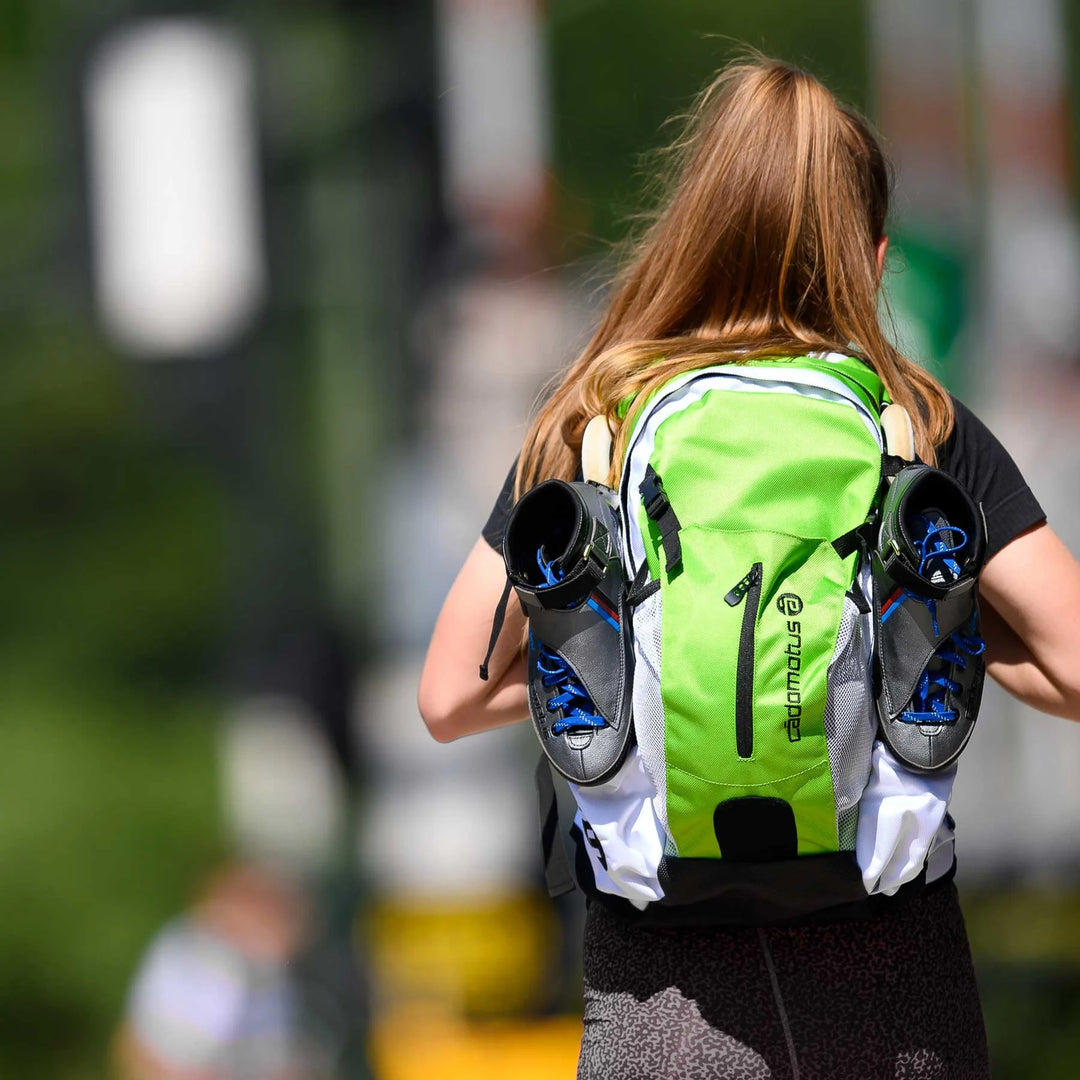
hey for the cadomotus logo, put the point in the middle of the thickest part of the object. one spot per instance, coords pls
(790, 604)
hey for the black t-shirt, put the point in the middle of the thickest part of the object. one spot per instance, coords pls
(971, 454)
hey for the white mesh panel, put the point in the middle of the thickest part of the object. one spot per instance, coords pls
(850, 723)
(847, 828)
(648, 704)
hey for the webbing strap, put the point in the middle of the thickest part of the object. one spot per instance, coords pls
(557, 873)
(496, 628)
(891, 465)
(861, 538)
(641, 588)
(575, 585)
(659, 510)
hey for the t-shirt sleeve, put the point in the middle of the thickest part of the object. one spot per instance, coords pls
(495, 525)
(974, 456)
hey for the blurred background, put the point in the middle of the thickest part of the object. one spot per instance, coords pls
(279, 284)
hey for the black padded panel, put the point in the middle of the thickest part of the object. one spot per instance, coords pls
(755, 829)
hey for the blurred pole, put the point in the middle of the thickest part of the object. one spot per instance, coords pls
(1021, 792)
(461, 930)
(186, 215)
(971, 100)
(1033, 257)
(182, 278)
(919, 84)
(422, 836)
(925, 88)
(920, 89)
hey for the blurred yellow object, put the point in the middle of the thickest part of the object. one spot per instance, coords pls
(481, 958)
(415, 1044)
(1026, 924)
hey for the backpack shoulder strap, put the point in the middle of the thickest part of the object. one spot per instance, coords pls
(596, 450)
(851, 370)
(557, 872)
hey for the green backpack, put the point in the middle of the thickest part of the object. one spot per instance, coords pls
(746, 494)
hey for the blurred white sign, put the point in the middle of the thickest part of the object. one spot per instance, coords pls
(493, 100)
(174, 195)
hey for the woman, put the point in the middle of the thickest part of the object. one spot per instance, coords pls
(772, 242)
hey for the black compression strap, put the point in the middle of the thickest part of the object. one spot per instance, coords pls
(891, 465)
(902, 574)
(659, 510)
(641, 587)
(861, 538)
(557, 873)
(855, 595)
(574, 587)
(496, 628)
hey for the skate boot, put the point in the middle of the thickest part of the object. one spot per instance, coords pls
(930, 651)
(563, 559)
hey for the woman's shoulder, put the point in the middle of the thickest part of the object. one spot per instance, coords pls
(976, 457)
(495, 525)
(972, 454)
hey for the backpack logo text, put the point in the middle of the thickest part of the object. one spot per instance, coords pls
(791, 604)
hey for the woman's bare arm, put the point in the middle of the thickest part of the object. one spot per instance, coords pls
(453, 699)
(1031, 621)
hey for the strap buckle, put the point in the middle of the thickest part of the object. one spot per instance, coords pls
(652, 492)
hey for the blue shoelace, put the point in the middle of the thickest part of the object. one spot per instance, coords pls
(938, 549)
(574, 701)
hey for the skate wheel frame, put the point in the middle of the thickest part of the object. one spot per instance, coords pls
(596, 443)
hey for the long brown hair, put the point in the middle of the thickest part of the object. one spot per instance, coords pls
(765, 245)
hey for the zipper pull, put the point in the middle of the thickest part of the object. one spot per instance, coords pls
(735, 596)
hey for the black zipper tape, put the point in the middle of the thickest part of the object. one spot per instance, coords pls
(750, 590)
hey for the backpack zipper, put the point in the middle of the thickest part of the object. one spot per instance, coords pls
(748, 589)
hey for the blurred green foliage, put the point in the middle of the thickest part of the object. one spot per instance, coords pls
(109, 819)
(621, 69)
(1026, 943)
(113, 570)
(116, 561)
(113, 566)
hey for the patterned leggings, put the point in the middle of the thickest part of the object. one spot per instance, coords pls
(889, 999)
